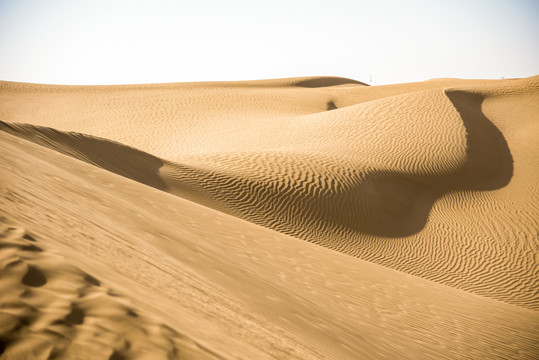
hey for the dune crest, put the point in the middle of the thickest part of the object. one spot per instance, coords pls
(423, 199)
(234, 288)
(375, 178)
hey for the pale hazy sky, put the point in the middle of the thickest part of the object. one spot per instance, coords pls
(135, 41)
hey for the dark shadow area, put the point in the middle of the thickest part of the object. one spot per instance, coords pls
(106, 154)
(382, 203)
(55, 354)
(3, 345)
(92, 280)
(395, 204)
(28, 237)
(117, 355)
(328, 81)
(489, 164)
(34, 277)
(75, 316)
(331, 106)
(31, 247)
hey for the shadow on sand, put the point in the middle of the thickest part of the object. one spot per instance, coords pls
(328, 81)
(383, 203)
(109, 155)
(397, 204)
(388, 204)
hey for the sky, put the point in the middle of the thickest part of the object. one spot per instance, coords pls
(155, 41)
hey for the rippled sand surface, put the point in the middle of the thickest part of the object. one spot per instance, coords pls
(308, 218)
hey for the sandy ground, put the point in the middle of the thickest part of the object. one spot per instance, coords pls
(305, 218)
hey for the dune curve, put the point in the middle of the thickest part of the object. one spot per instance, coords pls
(434, 182)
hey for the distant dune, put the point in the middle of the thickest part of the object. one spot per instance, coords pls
(423, 196)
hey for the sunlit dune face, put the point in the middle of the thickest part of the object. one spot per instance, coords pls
(375, 168)
(263, 216)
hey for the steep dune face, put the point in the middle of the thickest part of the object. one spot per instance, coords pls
(417, 177)
(361, 169)
(114, 269)
(174, 120)
(109, 155)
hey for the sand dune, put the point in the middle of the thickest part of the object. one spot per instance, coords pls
(51, 309)
(436, 180)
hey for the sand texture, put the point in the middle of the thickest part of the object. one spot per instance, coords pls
(303, 218)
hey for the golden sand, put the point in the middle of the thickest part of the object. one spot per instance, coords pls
(304, 218)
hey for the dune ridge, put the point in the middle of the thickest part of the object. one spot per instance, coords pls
(180, 220)
(232, 286)
(409, 180)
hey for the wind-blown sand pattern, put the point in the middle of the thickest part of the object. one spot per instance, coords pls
(50, 309)
(422, 196)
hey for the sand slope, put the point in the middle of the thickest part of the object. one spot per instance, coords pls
(236, 289)
(435, 179)
(408, 176)
(51, 309)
